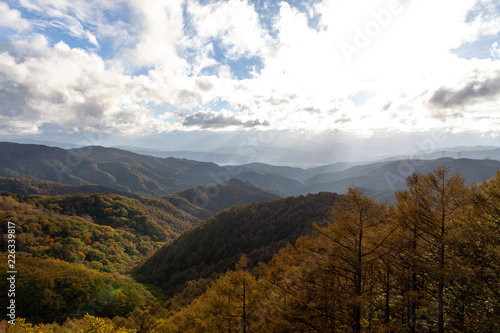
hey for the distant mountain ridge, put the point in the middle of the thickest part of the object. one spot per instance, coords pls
(142, 175)
(114, 168)
(384, 176)
(47, 187)
(223, 196)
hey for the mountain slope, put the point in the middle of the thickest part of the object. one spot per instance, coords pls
(48, 228)
(297, 174)
(122, 170)
(114, 168)
(218, 197)
(385, 176)
(46, 187)
(258, 230)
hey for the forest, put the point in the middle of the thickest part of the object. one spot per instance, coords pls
(428, 263)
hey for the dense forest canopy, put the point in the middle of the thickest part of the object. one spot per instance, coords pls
(428, 264)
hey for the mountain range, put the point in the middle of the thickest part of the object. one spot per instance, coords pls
(128, 173)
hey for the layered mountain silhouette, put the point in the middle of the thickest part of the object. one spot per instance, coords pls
(130, 173)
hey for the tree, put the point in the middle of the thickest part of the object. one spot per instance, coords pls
(432, 208)
(229, 305)
(330, 281)
(357, 235)
(478, 300)
(411, 273)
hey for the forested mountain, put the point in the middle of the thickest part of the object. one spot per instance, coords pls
(383, 176)
(218, 197)
(258, 230)
(49, 290)
(46, 187)
(144, 175)
(114, 168)
(123, 170)
(428, 264)
(323, 262)
(69, 265)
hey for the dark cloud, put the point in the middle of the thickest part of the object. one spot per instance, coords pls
(474, 91)
(387, 105)
(14, 101)
(21, 51)
(311, 110)
(89, 110)
(215, 120)
(185, 94)
(342, 120)
(275, 101)
(204, 84)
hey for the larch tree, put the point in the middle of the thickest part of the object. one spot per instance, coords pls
(433, 206)
(357, 237)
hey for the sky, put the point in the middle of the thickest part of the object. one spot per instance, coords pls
(204, 75)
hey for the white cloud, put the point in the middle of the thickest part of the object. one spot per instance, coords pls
(67, 87)
(494, 50)
(11, 18)
(161, 31)
(402, 55)
(235, 23)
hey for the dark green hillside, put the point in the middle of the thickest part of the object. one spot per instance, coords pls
(258, 230)
(46, 187)
(294, 173)
(218, 197)
(114, 168)
(273, 183)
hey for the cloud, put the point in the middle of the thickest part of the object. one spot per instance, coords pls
(387, 106)
(129, 65)
(310, 109)
(11, 18)
(15, 102)
(278, 100)
(67, 17)
(219, 120)
(235, 23)
(343, 119)
(472, 92)
(59, 85)
(494, 50)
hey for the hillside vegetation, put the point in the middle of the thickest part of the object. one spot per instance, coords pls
(222, 196)
(46, 187)
(258, 230)
(430, 263)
